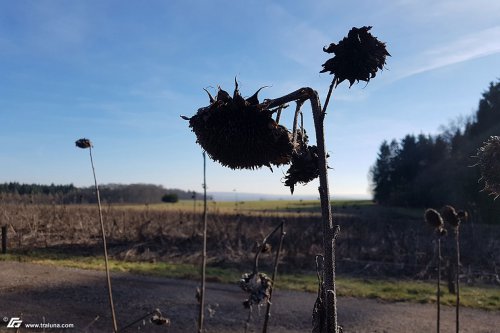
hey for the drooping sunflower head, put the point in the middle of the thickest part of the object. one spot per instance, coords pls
(489, 163)
(304, 167)
(83, 143)
(258, 286)
(358, 57)
(241, 133)
(450, 216)
(433, 218)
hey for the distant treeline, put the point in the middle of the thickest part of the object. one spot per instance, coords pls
(431, 171)
(69, 194)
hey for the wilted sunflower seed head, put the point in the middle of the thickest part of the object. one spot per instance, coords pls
(158, 319)
(258, 285)
(463, 215)
(433, 218)
(241, 133)
(450, 216)
(489, 163)
(83, 143)
(358, 57)
(304, 167)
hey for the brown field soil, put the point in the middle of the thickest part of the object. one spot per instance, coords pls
(51, 294)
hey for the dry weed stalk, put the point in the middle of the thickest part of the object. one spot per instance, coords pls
(155, 317)
(201, 293)
(258, 284)
(453, 218)
(273, 278)
(85, 143)
(434, 219)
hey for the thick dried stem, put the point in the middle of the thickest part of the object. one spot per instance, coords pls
(329, 230)
(439, 285)
(457, 305)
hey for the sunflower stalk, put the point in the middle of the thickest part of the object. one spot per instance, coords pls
(457, 304)
(84, 144)
(439, 284)
(273, 278)
(263, 246)
(328, 95)
(330, 231)
(204, 253)
(106, 261)
(295, 121)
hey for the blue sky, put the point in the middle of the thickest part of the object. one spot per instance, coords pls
(121, 72)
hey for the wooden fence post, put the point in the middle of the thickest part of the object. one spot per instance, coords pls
(4, 239)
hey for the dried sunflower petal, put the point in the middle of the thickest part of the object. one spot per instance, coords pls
(358, 57)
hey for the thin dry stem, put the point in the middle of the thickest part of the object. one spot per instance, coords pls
(275, 272)
(106, 262)
(204, 255)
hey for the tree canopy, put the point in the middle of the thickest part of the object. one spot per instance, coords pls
(430, 171)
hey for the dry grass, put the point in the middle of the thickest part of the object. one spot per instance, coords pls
(373, 241)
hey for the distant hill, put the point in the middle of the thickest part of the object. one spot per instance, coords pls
(237, 196)
(70, 194)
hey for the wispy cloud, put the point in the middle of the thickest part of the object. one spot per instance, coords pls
(472, 46)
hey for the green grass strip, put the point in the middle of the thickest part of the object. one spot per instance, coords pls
(479, 297)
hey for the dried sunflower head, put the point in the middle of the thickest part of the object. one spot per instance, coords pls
(258, 285)
(450, 216)
(83, 143)
(304, 167)
(434, 219)
(358, 57)
(489, 163)
(158, 319)
(240, 133)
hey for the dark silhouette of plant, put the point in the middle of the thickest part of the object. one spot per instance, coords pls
(200, 295)
(489, 163)
(84, 144)
(453, 218)
(434, 219)
(257, 284)
(241, 133)
(155, 318)
(275, 273)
